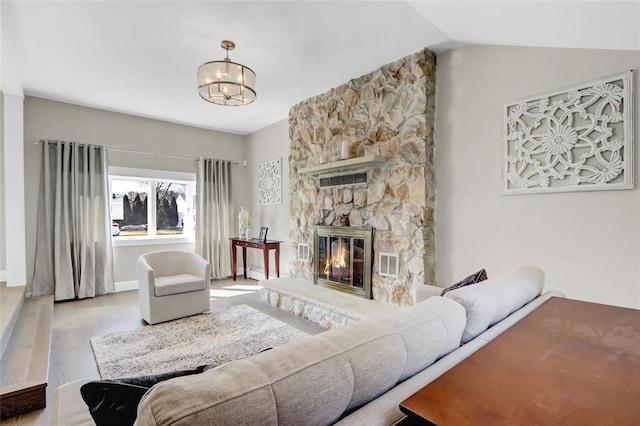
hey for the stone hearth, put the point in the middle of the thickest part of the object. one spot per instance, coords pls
(321, 305)
(388, 113)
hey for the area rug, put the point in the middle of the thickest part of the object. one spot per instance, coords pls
(206, 339)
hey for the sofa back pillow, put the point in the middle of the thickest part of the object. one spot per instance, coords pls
(492, 300)
(312, 381)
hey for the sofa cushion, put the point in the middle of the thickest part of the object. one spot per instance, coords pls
(315, 380)
(68, 406)
(491, 300)
(481, 275)
(175, 284)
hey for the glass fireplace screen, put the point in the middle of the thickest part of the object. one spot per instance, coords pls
(343, 258)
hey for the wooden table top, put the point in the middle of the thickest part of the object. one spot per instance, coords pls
(566, 363)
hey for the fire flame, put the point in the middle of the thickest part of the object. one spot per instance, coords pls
(339, 260)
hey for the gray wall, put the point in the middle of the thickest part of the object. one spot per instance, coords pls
(3, 262)
(269, 144)
(588, 243)
(45, 119)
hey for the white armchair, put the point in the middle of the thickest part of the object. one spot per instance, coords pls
(172, 284)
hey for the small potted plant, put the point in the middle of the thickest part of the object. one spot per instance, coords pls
(245, 219)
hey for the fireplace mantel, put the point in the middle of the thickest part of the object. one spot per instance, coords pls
(342, 165)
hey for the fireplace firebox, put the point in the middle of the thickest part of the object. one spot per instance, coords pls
(343, 258)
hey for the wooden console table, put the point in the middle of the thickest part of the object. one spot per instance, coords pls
(566, 363)
(254, 243)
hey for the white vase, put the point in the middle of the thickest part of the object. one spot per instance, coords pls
(246, 233)
(344, 150)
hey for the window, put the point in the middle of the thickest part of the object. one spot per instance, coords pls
(152, 205)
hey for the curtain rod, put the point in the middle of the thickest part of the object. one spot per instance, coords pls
(235, 163)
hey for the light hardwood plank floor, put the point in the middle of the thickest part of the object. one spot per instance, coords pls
(76, 322)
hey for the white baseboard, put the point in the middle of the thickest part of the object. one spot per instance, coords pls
(255, 274)
(126, 285)
(3, 275)
(258, 274)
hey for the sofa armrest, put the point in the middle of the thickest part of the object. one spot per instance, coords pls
(490, 301)
(497, 329)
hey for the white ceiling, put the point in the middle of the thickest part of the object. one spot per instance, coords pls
(141, 57)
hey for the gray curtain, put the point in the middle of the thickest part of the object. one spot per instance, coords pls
(214, 215)
(73, 244)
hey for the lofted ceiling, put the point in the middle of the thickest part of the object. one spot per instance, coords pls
(141, 57)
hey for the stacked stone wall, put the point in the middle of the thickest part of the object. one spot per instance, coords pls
(390, 113)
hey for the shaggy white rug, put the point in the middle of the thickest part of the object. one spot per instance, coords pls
(216, 338)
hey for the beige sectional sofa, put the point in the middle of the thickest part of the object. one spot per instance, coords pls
(354, 375)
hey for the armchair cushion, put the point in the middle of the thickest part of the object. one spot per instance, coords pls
(180, 283)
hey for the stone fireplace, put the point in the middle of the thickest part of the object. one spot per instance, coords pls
(376, 133)
(342, 258)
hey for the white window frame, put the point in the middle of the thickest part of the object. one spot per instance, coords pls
(152, 176)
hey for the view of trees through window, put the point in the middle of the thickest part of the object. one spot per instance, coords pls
(171, 206)
(132, 208)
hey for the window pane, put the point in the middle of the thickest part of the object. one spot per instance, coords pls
(129, 207)
(172, 208)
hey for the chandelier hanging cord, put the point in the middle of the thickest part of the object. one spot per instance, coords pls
(227, 45)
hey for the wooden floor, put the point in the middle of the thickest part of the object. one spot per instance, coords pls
(76, 322)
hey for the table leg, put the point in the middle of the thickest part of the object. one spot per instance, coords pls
(278, 260)
(244, 261)
(234, 256)
(265, 257)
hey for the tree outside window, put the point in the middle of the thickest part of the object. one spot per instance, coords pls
(171, 208)
(129, 207)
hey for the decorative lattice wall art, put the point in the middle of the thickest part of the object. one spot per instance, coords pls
(269, 182)
(576, 139)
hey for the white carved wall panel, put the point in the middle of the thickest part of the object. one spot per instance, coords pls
(269, 182)
(577, 139)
